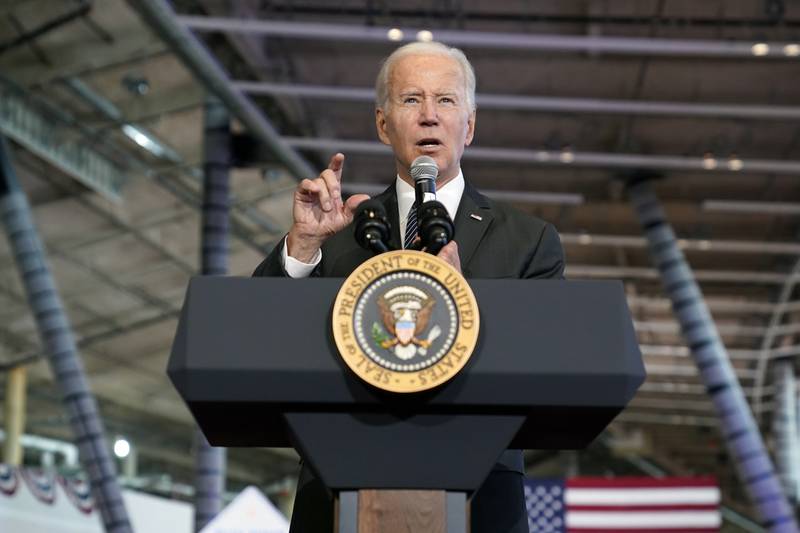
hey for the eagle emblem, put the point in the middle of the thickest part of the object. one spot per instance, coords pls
(405, 312)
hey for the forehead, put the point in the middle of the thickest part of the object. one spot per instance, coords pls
(427, 72)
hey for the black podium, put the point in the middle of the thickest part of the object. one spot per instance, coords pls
(254, 360)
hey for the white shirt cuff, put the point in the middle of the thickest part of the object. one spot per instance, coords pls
(296, 268)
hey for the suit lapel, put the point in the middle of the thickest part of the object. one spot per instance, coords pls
(389, 200)
(473, 218)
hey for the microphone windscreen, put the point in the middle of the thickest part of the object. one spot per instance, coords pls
(371, 208)
(424, 168)
(371, 225)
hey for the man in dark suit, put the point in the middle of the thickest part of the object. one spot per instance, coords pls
(425, 105)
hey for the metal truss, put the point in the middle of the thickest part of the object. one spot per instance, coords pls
(593, 44)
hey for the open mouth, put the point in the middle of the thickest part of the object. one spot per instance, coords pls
(428, 142)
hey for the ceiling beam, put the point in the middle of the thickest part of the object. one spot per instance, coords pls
(683, 387)
(739, 354)
(765, 208)
(669, 419)
(162, 20)
(672, 327)
(528, 197)
(689, 370)
(715, 304)
(548, 104)
(700, 245)
(41, 135)
(570, 158)
(478, 12)
(722, 276)
(497, 40)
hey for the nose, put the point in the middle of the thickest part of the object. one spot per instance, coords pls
(427, 113)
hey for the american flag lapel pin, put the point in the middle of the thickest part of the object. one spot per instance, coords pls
(476, 217)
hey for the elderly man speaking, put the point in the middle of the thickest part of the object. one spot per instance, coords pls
(425, 105)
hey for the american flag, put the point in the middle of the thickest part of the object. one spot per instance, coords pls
(627, 504)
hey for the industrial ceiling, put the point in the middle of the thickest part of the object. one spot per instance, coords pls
(574, 97)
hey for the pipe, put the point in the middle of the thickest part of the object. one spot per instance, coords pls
(210, 460)
(56, 335)
(495, 40)
(784, 427)
(15, 415)
(66, 449)
(541, 103)
(569, 158)
(737, 423)
(163, 21)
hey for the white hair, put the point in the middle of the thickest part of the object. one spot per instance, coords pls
(424, 49)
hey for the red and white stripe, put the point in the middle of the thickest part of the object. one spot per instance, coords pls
(648, 505)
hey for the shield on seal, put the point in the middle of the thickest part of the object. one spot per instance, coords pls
(404, 329)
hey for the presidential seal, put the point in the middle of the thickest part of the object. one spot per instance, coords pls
(405, 321)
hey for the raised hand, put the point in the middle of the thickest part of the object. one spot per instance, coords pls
(319, 212)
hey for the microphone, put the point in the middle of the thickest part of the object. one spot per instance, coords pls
(372, 226)
(424, 171)
(435, 226)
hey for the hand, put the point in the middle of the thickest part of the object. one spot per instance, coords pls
(319, 212)
(449, 253)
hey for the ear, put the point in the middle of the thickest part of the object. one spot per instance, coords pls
(470, 129)
(380, 125)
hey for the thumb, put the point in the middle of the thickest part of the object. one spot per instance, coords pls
(352, 204)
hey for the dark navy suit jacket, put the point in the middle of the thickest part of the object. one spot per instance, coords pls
(494, 241)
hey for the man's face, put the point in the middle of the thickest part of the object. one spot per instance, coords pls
(426, 114)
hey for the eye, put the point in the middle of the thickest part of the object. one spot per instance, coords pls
(410, 100)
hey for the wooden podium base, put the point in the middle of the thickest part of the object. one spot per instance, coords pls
(401, 511)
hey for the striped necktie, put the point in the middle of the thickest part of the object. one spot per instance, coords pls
(411, 227)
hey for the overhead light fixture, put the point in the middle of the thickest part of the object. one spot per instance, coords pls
(792, 50)
(585, 238)
(567, 156)
(136, 84)
(704, 244)
(760, 49)
(122, 448)
(766, 208)
(543, 155)
(395, 34)
(734, 163)
(424, 36)
(709, 163)
(146, 140)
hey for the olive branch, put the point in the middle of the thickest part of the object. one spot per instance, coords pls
(378, 335)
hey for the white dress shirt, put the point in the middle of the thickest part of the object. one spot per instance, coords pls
(449, 195)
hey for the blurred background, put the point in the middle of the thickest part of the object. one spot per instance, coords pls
(103, 105)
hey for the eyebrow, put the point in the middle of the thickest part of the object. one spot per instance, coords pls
(415, 92)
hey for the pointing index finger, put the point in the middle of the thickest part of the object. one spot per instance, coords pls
(336, 164)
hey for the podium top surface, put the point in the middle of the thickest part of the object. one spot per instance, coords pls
(542, 343)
